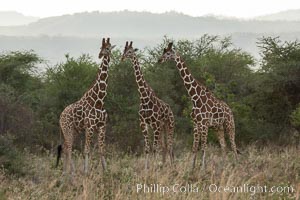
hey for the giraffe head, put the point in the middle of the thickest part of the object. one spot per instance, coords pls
(168, 54)
(129, 51)
(105, 48)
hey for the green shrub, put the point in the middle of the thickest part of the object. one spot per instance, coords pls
(295, 117)
(10, 158)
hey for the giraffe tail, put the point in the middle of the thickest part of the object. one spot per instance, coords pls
(59, 150)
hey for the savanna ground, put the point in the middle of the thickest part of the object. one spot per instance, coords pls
(265, 167)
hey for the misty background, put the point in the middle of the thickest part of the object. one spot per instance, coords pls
(75, 34)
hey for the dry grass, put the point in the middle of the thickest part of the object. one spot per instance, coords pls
(265, 167)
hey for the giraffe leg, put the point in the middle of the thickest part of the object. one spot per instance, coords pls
(204, 132)
(170, 132)
(146, 139)
(221, 138)
(65, 158)
(195, 144)
(232, 141)
(68, 161)
(88, 136)
(101, 139)
(162, 144)
(86, 162)
(67, 149)
(157, 131)
(163, 141)
(73, 166)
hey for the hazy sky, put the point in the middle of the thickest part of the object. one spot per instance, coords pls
(236, 8)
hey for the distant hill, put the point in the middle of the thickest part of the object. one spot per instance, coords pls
(289, 15)
(80, 33)
(12, 18)
(144, 25)
(54, 48)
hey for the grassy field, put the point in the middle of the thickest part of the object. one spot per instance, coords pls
(271, 168)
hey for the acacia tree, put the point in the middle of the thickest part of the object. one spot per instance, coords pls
(18, 81)
(277, 89)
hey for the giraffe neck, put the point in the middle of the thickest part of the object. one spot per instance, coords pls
(98, 89)
(189, 81)
(142, 86)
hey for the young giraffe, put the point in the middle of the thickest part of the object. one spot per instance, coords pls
(208, 111)
(153, 111)
(87, 114)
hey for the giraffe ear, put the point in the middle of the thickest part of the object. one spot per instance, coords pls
(103, 41)
(170, 45)
(135, 49)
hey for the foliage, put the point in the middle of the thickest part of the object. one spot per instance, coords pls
(295, 117)
(56, 94)
(18, 81)
(265, 102)
(74, 73)
(122, 103)
(10, 157)
(277, 84)
(17, 70)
